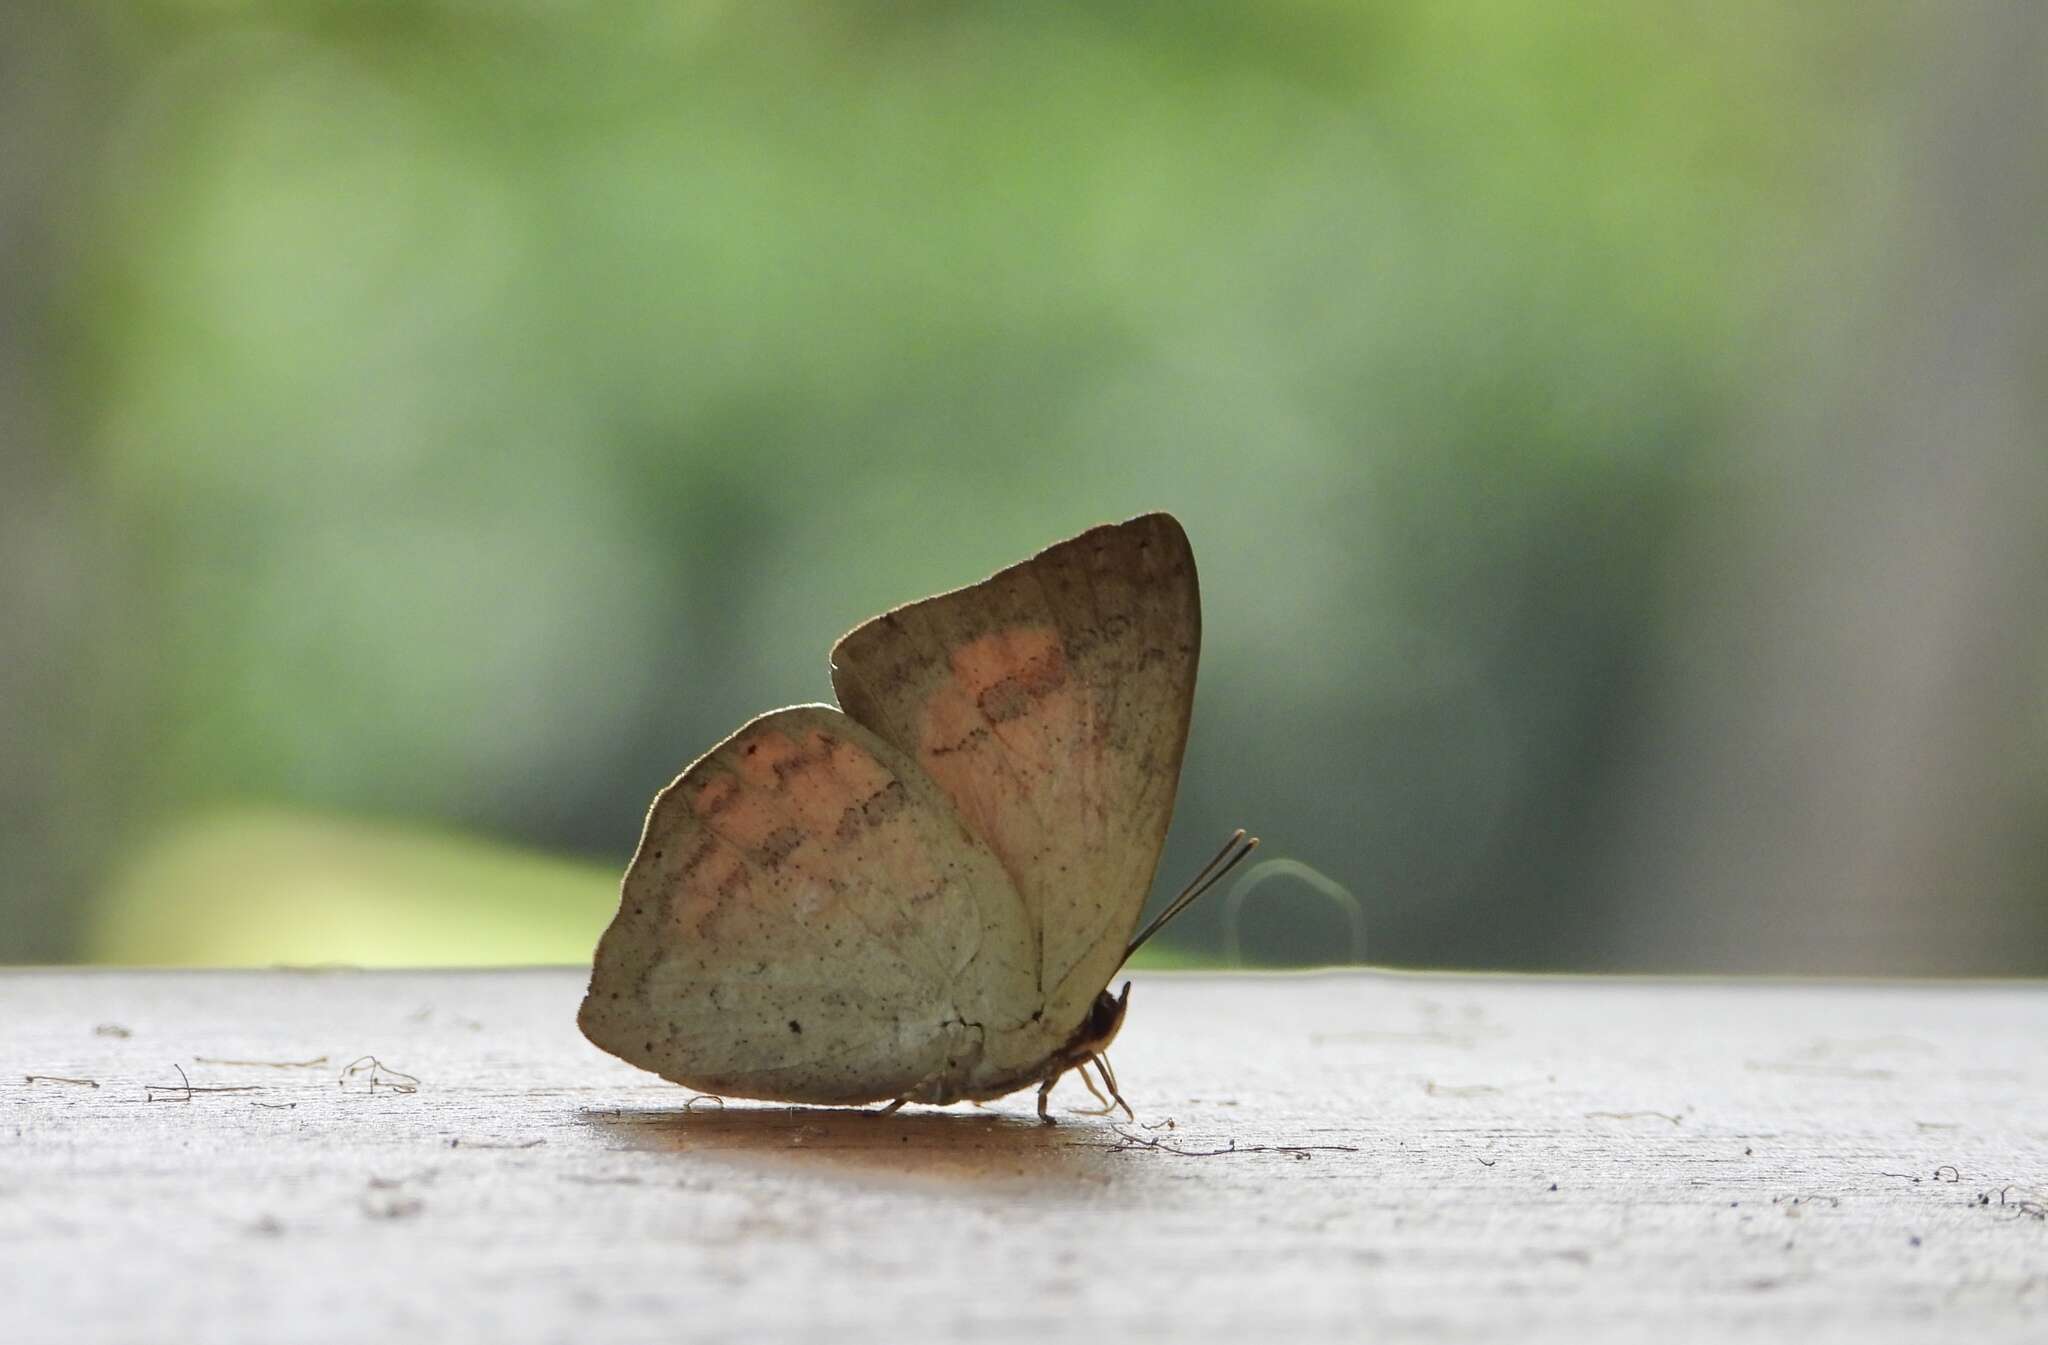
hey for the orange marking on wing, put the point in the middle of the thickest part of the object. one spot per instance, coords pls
(1013, 686)
(811, 788)
(1006, 667)
(718, 878)
(861, 772)
(797, 812)
(857, 806)
(750, 819)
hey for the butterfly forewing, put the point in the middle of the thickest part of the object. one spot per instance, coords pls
(1050, 704)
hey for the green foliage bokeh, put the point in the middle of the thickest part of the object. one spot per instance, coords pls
(479, 410)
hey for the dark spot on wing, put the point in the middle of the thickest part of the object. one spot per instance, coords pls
(973, 739)
(802, 761)
(716, 795)
(872, 811)
(705, 849)
(778, 846)
(1013, 695)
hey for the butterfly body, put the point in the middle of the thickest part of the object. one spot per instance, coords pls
(921, 894)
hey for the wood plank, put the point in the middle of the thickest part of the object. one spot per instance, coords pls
(1385, 1156)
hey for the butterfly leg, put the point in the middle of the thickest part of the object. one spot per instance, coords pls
(1044, 1092)
(1113, 1099)
(894, 1105)
(1101, 1063)
(1107, 1106)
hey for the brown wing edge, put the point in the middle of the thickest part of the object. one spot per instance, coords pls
(1157, 524)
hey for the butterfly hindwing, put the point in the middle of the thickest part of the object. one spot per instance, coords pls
(1050, 705)
(807, 920)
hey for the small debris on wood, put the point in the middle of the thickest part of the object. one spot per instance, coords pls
(1954, 1173)
(111, 1030)
(1435, 1089)
(59, 1078)
(1128, 1141)
(1634, 1116)
(490, 1144)
(262, 1064)
(371, 1074)
(1792, 1203)
(2026, 1207)
(183, 1090)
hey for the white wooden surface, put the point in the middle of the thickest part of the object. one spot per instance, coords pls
(1522, 1160)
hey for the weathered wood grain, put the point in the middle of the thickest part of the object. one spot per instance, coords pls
(1522, 1160)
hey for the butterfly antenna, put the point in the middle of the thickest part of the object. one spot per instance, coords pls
(1233, 852)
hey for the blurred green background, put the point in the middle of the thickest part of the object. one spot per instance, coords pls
(1611, 436)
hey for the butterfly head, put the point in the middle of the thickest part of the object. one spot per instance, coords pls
(1105, 1020)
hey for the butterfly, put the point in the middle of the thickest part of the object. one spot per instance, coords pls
(922, 894)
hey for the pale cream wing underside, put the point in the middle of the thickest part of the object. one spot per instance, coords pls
(807, 920)
(1050, 703)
